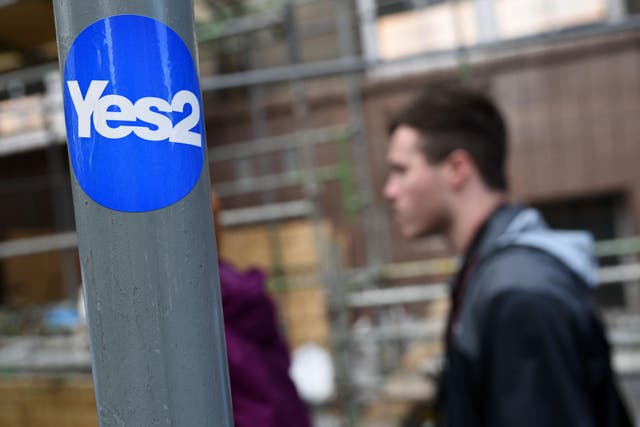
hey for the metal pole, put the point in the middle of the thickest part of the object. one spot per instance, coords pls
(302, 121)
(486, 20)
(616, 10)
(144, 222)
(376, 245)
(366, 18)
(60, 192)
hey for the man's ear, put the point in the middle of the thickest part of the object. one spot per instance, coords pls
(459, 168)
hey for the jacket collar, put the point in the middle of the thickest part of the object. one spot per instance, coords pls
(494, 226)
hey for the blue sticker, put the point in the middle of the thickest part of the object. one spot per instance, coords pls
(133, 114)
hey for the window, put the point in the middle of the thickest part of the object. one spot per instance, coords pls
(411, 27)
(600, 216)
(389, 7)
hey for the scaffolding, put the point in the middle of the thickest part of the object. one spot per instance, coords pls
(298, 151)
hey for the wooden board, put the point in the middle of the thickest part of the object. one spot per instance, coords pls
(47, 402)
(34, 279)
(303, 312)
(253, 246)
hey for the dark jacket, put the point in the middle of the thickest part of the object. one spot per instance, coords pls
(262, 392)
(525, 345)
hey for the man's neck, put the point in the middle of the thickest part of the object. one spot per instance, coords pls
(470, 216)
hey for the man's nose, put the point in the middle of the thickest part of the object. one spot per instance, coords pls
(388, 190)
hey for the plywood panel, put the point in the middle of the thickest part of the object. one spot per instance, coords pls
(46, 402)
(304, 314)
(246, 247)
(252, 246)
(34, 278)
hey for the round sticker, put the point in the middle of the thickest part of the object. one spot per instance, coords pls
(133, 114)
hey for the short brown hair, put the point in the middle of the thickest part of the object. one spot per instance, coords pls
(452, 117)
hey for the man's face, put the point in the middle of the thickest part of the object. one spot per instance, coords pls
(415, 188)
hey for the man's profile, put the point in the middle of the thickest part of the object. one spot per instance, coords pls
(524, 343)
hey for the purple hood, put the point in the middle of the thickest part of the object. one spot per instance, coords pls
(262, 392)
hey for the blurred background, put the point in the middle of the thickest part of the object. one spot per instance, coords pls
(297, 97)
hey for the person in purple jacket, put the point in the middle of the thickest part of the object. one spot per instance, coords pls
(262, 393)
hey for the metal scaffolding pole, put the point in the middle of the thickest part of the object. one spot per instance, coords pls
(149, 270)
(271, 144)
(302, 121)
(260, 130)
(332, 67)
(376, 240)
(60, 198)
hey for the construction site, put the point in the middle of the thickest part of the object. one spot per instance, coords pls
(297, 97)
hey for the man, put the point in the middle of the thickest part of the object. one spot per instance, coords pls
(524, 344)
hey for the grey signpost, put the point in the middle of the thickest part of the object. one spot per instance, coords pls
(150, 278)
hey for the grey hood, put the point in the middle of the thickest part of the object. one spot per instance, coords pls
(573, 248)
